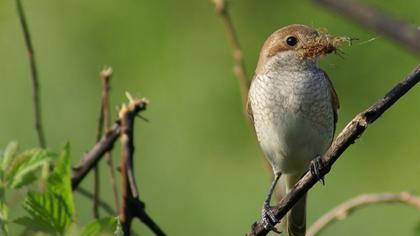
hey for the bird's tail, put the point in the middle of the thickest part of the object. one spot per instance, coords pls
(295, 223)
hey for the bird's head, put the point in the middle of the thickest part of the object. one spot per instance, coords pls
(295, 46)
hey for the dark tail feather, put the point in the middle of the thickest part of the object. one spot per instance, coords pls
(296, 218)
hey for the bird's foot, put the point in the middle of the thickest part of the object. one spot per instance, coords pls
(268, 218)
(316, 167)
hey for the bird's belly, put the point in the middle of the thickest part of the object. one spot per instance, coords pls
(293, 126)
(291, 142)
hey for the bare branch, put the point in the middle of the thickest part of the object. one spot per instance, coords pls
(343, 210)
(34, 75)
(239, 68)
(131, 205)
(348, 136)
(401, 32)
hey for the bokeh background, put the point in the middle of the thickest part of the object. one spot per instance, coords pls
(198, 166)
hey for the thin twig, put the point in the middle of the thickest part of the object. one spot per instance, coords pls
(348, 136)
(96, 179)
(343, 210)
(104, 205)
(405, 34)
(34, 75)
(131, 205)
(239, 68)
(105, 77)
(95, 199)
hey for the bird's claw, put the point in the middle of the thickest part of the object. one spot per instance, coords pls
(269, 219)
(317, 164)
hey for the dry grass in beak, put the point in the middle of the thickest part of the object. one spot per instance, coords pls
(323, 44)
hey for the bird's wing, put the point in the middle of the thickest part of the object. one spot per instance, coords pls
(249, 108)
(334, 100)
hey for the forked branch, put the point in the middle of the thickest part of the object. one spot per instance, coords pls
(348, 136)
(131, 206)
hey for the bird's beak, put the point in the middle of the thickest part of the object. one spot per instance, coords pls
(321, 44)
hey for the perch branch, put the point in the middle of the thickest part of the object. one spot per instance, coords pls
(348, 136)
(131, 206)
(398, 30)
(343, 210)
(34, 74)
(239, 67)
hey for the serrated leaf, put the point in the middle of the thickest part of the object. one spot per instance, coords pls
(27, 170)
(8, 154)
(60, 180)
(103, 226)
(47, 212)
(26, 163)
(51, 211)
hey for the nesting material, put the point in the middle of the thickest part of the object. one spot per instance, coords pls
(323, 44)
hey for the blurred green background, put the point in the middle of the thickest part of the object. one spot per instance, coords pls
(198, 166)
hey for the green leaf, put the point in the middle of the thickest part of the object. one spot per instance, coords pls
(8, 154)
(60, 180)
(26, 171)
(103, 226)
(47, 212)
(51, 211)
(4, 230)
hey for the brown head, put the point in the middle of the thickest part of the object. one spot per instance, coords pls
(296, 44)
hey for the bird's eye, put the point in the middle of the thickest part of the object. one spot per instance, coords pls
(291, 41)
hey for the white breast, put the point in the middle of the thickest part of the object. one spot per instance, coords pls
(293, 117)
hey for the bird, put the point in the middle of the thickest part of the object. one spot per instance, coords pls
(293, 107)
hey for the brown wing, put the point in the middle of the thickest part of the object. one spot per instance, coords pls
(334, 100)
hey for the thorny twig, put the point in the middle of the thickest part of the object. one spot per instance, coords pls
(348, 135)
(34, 75)
(343, 210)
(131, 205)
